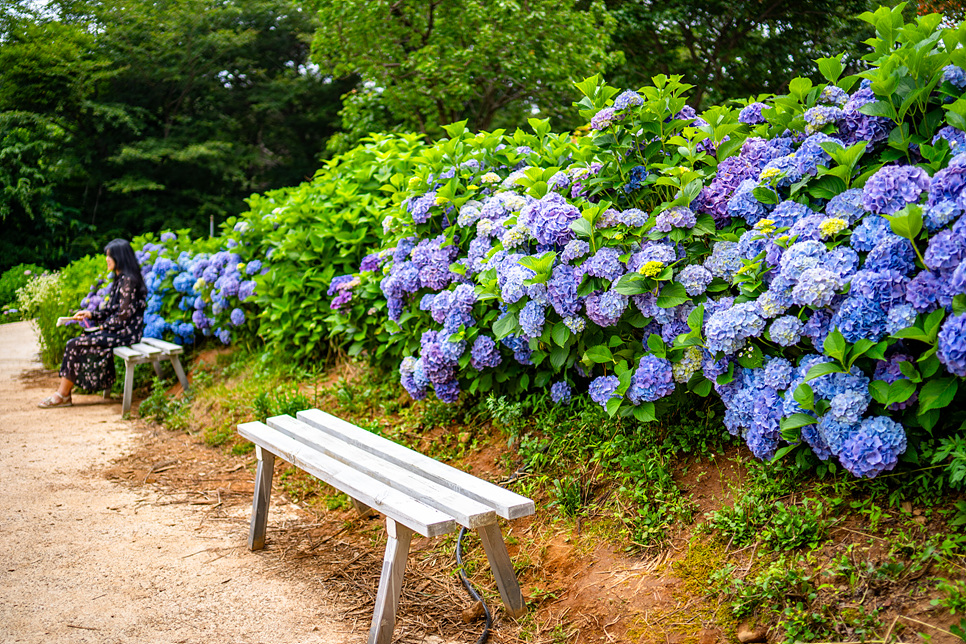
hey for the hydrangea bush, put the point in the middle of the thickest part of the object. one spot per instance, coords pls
(801, 257)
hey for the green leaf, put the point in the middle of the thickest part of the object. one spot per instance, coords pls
(632, 284)
(558, 357)
(797, 420)
(645, 412)
(672, 294)
(804, 396)
(834, 346)
(613, 405)
(505, 325)
(560, 334)
(823, 369)
(937, 394)
(751, 357)
(880, 391)
(907, 222)
(765, 195)
(696, 318)
(599, 354)
(656, 345)
(831, 68)
(900, 391)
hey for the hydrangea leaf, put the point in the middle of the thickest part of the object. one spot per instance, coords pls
(656, 345)
(631, 284)
(831, 68)
(929, 366)
(900, 391)
(599, 354)
(879, 389)
(907, 222)
(672, 294)
(766, 195)
(560, 334)
(558, 357)
(959, 304)
(804, 396)
(700, 385)
(937, 394)
(751, 357)
(834, 346)
(645, 412)
(797, 420)
(613, 405)
(909, 371)
(932, 324)
(823, 369)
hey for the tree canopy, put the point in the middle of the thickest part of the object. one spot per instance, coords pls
(126, 116)
(432, 62)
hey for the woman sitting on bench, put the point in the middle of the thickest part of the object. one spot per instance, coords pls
(89, 358)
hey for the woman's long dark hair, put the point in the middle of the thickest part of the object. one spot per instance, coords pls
(126, 263)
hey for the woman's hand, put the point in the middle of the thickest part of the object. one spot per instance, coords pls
(82, 315)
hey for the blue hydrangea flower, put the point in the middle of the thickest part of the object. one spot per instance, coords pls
(833, 95)
(419, 207)
(848, 407)
(945, 251)
(815, 288)
(940, 215)
(833, 434)
(237, 317)
(955, 75)
(551, 223)
(602, 389)
(778, 373)
(605, 309)
(532, 318)
(948, 183)
(603, 118)
(816, 118)
(952, 345)
(800, 257)
(901, 316)
(724, 261)
(751, 114)
(652, 380)
(786, 331)
(892, 253)
(893, 187)
(870, 231)
(923, 291)
(627, 98)
(745, 205)
(562, 290)
(633, 217)
(168, 236)
(560, 392)
(874, 447)
(858, 318)
(846, 205)
(677, 217)
(635, 179)
(604, 263)
(727, 330)
(575, 248)
(695, 278)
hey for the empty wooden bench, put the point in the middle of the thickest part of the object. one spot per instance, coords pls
(148, 350)
(415, 493)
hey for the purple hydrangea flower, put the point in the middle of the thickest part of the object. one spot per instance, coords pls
(724, 261)
(695, 278)
(602, 389)
(605, 309)
(484, 353)
(652, 380)
(237, 317)
(633, 217)
(893, 187)
(551, 222)
(945, 251)
(532, 318)
(727, 330)
(874, 447)
(815, 288)
(605, 263)
(562, 290)
(560, 392)
(948, 183)
(604, 118)
(751, 114)
(677, 217)
(952, 345)
(419, 207)
(786, 331)
(892, 253)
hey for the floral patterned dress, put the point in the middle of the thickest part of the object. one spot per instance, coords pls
(89, 359)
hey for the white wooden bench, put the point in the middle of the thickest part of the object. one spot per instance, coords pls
(148, 350)
(415, 493)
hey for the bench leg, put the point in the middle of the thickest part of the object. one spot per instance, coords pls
(183, 379)
(263, 494)
(363, 509)
(506, 578)
(390, 583)
(128, 387)
(157, 368)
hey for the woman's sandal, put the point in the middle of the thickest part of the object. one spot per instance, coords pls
(55, 400)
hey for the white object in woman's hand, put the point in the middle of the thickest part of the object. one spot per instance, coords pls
(82, 315)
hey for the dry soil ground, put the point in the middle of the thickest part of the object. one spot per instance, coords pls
(87, 560)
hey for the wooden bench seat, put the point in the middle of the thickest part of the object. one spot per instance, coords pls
(148, 350)
(414, 492)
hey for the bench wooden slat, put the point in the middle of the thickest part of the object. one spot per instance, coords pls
(466, 511)
(168, 347)
(146, 349)
(507, 504)
(396, 505)
(126, 353)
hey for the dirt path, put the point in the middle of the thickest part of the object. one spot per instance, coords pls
(86, 560)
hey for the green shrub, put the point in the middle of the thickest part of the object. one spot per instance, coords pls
(12, 279)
